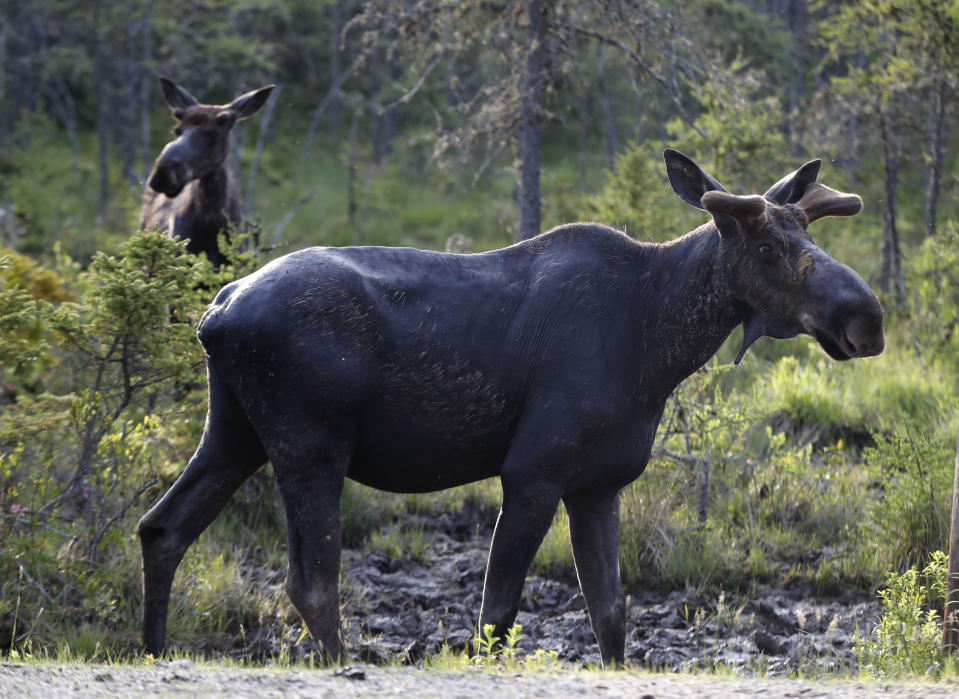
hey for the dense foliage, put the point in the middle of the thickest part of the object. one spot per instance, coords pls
(393, 125)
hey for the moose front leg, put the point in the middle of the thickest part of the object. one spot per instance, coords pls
(594, 533)
(522, 523)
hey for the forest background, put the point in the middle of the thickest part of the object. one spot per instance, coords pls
(466, 126)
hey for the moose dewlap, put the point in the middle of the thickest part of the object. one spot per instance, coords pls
(547, 363)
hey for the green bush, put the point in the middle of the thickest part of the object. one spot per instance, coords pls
(907, 640)
(78, 459)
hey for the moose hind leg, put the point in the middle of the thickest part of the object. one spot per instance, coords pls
(522, 523)
(311, 482)
(228, 454)
(594, 533)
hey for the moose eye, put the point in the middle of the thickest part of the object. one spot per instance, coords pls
(177, 113)
(766, 249)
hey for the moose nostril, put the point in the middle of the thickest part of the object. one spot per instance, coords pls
(851, 348)
(865, 345)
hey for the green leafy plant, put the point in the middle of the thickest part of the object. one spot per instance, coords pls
(490, 649)
(907, 641)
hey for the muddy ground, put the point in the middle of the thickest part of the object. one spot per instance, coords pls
(401, 610)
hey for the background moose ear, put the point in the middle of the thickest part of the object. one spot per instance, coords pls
(250, 103)
(687, 179)
(790, 188)
(732, 212)
(820, 201)
(176, 97)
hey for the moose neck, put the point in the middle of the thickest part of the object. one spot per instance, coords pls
(685, 304)
(212, 192)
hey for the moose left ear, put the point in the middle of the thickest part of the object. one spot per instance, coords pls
(791, 187)
(176, 97)
(250, 103)
(687, 179)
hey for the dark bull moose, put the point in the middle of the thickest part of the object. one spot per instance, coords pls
(547, 363)
(191, 192)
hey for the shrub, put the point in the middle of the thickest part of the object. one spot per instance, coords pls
(907, 641)
(77, 459)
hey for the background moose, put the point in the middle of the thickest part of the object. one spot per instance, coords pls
(191, 192)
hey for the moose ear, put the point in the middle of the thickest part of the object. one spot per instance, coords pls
(687, 179)
(820, 201)
(250, 103)
(733, 212)
(176, 97)
(791, 187)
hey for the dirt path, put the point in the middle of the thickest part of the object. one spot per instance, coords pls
(183, 677)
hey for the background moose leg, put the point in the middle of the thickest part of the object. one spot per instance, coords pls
(527, 512)
(594, 533)
(311, 482)
(228, 454)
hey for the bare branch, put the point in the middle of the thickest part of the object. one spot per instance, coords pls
(670, 90)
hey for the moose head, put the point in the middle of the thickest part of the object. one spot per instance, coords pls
(785, 282)
(202, 136)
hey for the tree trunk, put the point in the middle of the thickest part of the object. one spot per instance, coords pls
(950, 624)
(131, 72)
(798, 20)
(852, 149)
(146, 85)
(377, 122)
(6, 76)
(891, 257)
(609, 121)
(351, 168)
(103, 110)
(585, 109)
(938, 127)
(336, 67)
(393, 115)
(534, 76)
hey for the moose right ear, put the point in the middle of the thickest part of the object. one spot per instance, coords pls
(791, 187)
(687, 179)
(176, 97)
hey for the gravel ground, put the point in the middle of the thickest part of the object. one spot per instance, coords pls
(183, 677)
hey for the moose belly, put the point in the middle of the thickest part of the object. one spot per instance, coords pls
(410, 441)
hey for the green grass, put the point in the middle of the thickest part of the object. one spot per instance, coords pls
(401, 542)
(828, 400)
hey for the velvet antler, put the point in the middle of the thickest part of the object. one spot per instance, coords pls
(820, 201)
